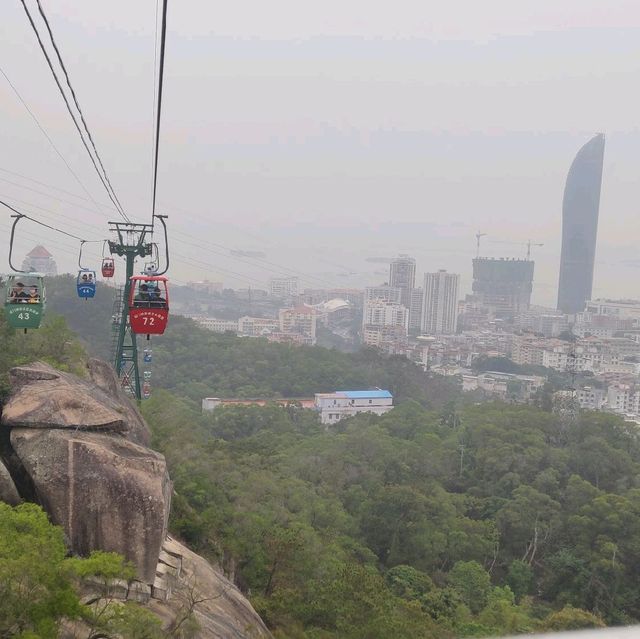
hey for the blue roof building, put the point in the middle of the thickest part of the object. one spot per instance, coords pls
(336, 406)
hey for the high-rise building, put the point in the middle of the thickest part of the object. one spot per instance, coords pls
(39, 260)
(580, 207)
(415, 309)
(503, 285)
(384, 292)
(283, 287)
(440, 305)
(402, 275)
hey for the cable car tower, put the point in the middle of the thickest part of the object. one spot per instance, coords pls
(133, 241)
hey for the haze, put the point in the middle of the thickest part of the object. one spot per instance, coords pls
(325, 134)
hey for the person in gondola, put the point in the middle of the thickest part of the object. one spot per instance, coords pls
(157, 300)
(34, 296)
(18, 294)
(142, 299)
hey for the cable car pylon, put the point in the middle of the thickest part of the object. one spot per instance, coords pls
(132, 242)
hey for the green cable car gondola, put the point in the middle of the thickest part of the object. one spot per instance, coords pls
(25, 300)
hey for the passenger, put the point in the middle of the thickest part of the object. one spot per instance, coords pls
(90, 278)
(18, 294)
(84, 277)
(156, 298)
(34, 296)
(143, 298)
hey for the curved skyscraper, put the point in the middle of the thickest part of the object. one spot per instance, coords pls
(580, 207)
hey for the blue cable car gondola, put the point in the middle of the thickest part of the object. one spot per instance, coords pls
(86, 283)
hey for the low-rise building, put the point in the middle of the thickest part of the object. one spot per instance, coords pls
(257, 326)
(211, 403)
(217, 325)
(591, 398)
(506, 386)
(341, 404)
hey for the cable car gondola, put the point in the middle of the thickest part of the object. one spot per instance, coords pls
(108, 267)
(25, 300)
(148, 304)
(86, 283)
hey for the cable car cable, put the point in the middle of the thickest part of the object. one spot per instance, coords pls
(75, 100)
(47, 211)
(113, 197)
(53, 228)
(163, 35)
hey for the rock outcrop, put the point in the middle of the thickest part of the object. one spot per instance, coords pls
(8, 490)
(105, 492)
(78, 447)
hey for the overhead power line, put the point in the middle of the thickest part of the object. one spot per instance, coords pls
(48, 226)
(104, 179)
(46, 135)
(163, 37)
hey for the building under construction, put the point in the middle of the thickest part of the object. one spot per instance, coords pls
(503, 285)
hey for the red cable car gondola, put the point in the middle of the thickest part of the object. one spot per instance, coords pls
(149, 304)
(108, 267)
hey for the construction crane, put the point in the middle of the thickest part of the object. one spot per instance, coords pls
(478, 236)
(528, 244)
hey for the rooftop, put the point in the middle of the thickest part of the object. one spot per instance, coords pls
(366, 394)
(39, 251)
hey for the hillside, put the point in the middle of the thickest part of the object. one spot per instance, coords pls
(502, 520)
(435, 520)
(196, 363)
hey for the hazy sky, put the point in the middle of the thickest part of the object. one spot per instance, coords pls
(325, 133)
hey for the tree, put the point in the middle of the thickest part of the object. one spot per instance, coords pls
(36, 592)
(520, 578)
(472, 582)
(570, 618)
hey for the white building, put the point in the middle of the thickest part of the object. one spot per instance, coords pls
(623, 399)
(39, 260)
(386, 293)
(283, 287)
(620, 309)
(336, 406)
(591, 398)
(300, 320)
(217, 325)
(380, 313)
(440, 303)
(257, 326)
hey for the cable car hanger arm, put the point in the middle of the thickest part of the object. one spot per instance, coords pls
(166, 243)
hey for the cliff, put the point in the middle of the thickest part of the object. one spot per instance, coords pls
(79, 448)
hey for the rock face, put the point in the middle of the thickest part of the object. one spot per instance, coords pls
(105, 492)
(45, 398)
(78, 447)
(222, 612)
(8, 490)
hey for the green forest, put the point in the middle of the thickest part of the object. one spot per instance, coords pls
(442, 518)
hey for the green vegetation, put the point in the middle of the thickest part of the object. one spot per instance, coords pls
(491, 519)
(40, 584)
(435, 520)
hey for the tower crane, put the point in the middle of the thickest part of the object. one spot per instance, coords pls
(478, 236)
(528, 244)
